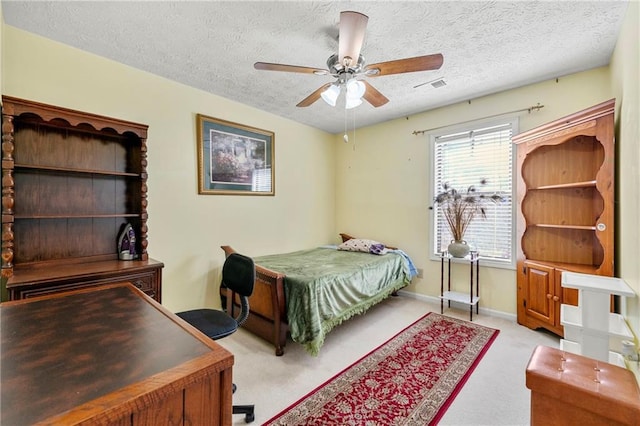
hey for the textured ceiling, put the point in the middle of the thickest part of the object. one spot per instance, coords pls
(488, 46)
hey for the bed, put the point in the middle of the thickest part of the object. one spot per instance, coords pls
(307, 293)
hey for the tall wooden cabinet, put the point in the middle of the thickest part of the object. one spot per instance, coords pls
(71, 181)
(565, 219)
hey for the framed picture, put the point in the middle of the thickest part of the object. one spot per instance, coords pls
(234, 159)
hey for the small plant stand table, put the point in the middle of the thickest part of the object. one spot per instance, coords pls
(474, 277)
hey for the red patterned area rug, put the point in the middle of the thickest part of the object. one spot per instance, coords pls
(409, 380)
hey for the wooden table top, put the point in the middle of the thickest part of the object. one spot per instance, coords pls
(87, 349)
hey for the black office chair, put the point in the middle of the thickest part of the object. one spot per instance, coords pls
(238, 275)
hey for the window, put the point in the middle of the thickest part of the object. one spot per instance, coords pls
(463, 157)
(261, 180)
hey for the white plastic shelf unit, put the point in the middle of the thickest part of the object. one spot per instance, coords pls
(470, 299)
(590, 328)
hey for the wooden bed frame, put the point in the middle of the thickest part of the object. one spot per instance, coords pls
(268, 316)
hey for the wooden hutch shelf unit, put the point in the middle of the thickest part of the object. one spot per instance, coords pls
(71, 181)
(565, 219)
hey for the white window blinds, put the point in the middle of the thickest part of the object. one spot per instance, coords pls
(463, 159)
(261, 180)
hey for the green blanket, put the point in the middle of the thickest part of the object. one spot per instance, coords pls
(325, 286)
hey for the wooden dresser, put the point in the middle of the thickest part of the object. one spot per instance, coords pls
(108, 355)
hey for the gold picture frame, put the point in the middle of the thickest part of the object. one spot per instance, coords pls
(234, 159)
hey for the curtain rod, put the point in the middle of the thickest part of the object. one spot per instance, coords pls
(531, 108)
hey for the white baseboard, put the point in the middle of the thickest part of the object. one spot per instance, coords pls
(436, 300)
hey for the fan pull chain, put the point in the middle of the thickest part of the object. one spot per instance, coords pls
(354, 129)
(346, 136)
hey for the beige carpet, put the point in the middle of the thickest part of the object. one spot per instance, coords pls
(495, 394)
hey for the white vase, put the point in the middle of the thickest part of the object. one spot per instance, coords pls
(458, 248)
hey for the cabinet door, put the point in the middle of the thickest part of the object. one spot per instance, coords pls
(568, 296)
(541, 298)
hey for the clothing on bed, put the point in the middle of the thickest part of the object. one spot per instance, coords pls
(412, 267)
(325, 286)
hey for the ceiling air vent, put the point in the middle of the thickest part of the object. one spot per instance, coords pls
(438, 83)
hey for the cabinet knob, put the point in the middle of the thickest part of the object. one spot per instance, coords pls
(556, 298)
(138, 284)
(549, 296)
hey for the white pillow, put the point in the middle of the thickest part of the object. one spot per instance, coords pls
(363, 245)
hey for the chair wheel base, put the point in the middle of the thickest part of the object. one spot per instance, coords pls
(247, 410)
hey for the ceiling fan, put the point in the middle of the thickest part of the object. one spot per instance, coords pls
(348, 67)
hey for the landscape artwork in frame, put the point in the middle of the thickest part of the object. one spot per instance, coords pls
(234, 159)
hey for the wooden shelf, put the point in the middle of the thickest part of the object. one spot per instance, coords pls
(77, 216)
(585, 184)
(576, 267)
(73, 170)
(549, 225)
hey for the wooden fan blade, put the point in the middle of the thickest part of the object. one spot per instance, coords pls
(313, 97)
(352, 28)
(289, 68)
(373, 96)
(419, 63)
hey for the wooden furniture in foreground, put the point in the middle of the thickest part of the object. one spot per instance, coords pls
(71, 181)
(569, 389)
(565, 219)
(108, 355)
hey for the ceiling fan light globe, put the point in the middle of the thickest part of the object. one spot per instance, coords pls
(330, 95)
(352, 102)
(355, 89)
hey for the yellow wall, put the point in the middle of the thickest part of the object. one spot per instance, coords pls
(187, 229)
(382, 179)
(625, 70)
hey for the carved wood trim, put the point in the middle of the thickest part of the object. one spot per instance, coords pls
(16, 107)
(570, 122)
(8, 195)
